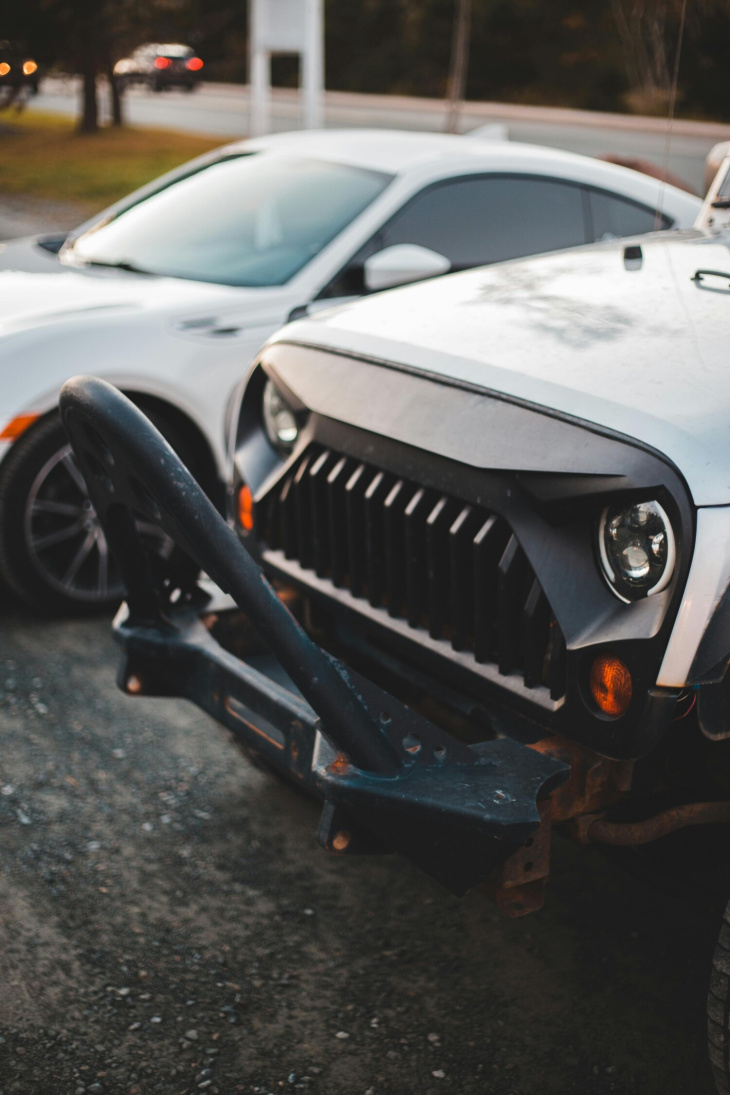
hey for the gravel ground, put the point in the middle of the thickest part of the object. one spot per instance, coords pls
(22, 216)
(168, 924)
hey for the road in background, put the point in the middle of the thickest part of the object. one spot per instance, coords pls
(224, 109)
(24, 216)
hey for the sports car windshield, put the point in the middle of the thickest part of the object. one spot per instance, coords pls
(252, 220)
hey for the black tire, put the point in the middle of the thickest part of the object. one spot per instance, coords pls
(53, 552)
(718, 1009)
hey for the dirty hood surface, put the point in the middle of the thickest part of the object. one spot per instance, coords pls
(639, 347)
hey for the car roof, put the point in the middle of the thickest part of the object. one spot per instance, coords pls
(436, 155)
(637, 345)
(388, 150)
(397, 151)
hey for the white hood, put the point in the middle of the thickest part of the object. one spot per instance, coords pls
(643, 351)
(27, 299)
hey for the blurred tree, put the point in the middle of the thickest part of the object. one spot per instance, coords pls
(606, 55)
(459, 65)
(650, 33)
(86, 37)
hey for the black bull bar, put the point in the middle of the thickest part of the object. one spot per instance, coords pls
(390, 780)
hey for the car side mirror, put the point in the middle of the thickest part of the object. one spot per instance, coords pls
(401, 264)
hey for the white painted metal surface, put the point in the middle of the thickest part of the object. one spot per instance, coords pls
(286, 27)
(708, 579)
(642, 352)
(715, 213)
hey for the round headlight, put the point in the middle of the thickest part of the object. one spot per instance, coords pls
(280, 421)
(637, 549)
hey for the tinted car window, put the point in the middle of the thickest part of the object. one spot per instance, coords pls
(477, 220)
(614, 217)
(247, 220)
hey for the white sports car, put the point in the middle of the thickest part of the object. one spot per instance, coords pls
(169, 293)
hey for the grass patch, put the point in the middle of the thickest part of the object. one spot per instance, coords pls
(45, 157)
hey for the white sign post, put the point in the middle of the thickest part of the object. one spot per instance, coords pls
(286, 26)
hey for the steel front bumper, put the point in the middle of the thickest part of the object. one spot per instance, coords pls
(390, 780)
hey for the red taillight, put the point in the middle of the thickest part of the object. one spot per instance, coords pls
(162, 62)
(194, 64)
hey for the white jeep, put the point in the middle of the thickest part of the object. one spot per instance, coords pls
(486, 524)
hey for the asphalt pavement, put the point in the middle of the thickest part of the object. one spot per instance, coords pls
(23, 216)
(169, 925)
(224, 109)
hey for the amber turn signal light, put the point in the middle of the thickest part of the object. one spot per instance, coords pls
(610, 684)
(17, 426)
(245, 508)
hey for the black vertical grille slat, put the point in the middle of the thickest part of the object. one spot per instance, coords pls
(437, 555)
(303, 513)
(487, 548)
(536, 635)
(288, 512)
(267, 521)
(355, 516)
(556, 662)
(510, 594)
(337, 521)
(415, 516)
(317, 483)
(395, 545)
(449, 567)
(461, 577)
(375, 496)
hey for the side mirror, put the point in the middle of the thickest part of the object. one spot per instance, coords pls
(401, 264)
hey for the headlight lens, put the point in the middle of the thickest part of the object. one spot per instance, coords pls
(637, 549)
(280, 421)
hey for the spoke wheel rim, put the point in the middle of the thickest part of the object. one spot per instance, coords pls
(65, 540)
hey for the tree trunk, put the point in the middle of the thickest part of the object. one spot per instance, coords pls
(459, 64)
(90, 113)
(115, 95)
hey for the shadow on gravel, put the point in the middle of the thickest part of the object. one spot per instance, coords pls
(168, 924)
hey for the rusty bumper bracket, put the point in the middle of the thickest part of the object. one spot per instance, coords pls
(390, 779)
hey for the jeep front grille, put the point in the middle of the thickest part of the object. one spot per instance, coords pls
(421, 562)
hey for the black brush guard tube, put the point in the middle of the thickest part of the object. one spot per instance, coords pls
(391, 780)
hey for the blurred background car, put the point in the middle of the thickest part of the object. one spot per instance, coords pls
(169, 293)
(160, 67)
(18, 71)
